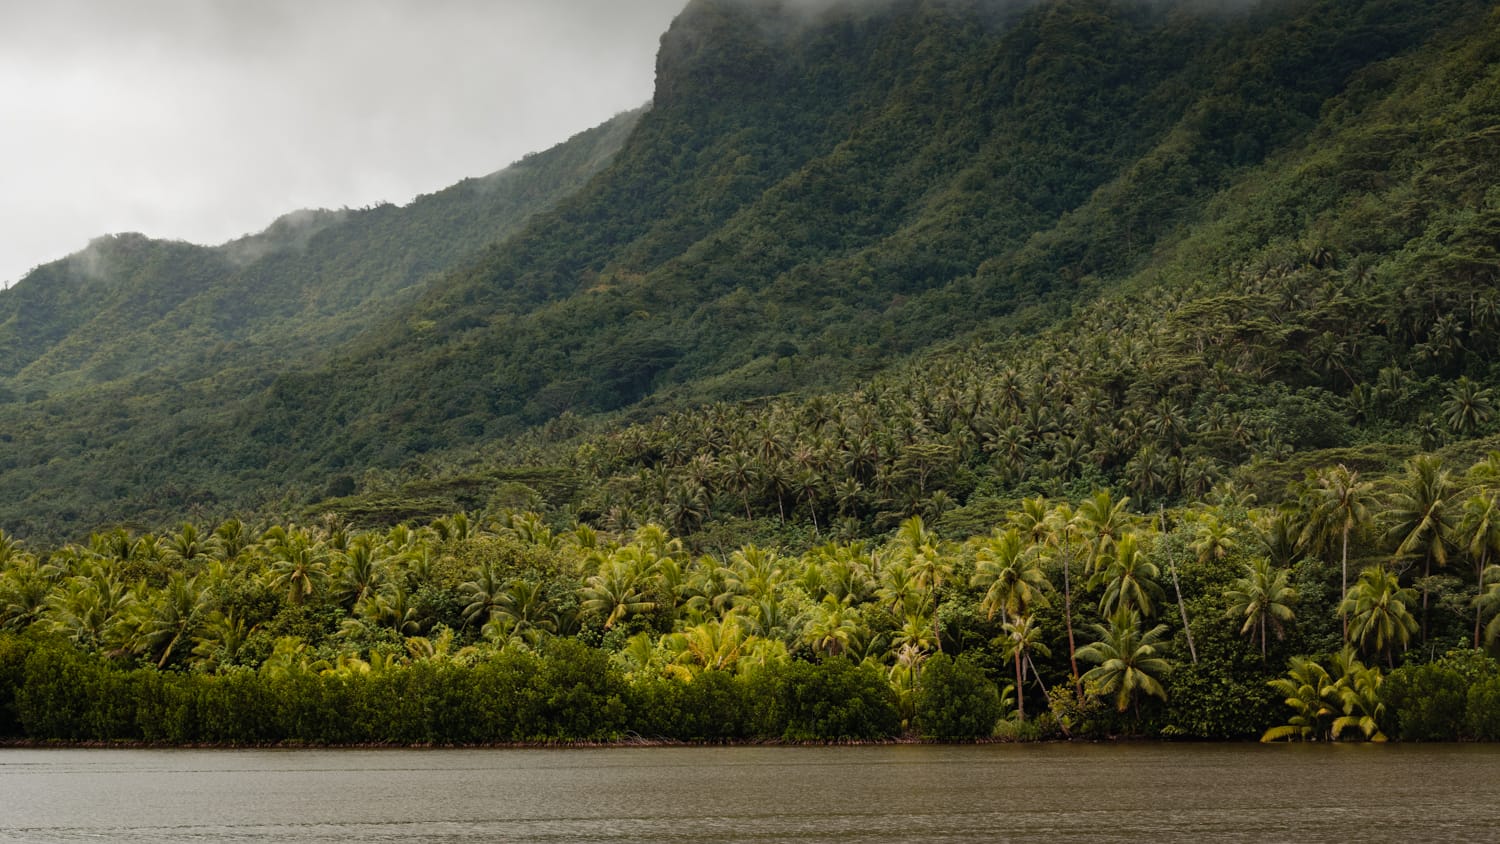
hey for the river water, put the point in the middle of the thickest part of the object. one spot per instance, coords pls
(1051, 792)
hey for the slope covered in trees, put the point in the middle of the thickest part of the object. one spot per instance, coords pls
(807, 202)
(809, 199)
(1334, 304)
(116, 350)
(1138, 356)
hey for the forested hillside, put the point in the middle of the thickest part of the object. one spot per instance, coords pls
(809, 199)
(118, 350)
(1140, 354)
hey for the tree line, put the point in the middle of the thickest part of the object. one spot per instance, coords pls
(1354, 609)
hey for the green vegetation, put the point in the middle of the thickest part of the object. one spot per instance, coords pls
(1094, 368)
(514, 628)
(131, 344)
(805, 206)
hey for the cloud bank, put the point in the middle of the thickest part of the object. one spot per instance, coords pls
(202, 120)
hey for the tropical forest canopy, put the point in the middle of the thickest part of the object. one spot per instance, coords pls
(1136, 357)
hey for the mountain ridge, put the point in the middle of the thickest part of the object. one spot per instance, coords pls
(877, 184)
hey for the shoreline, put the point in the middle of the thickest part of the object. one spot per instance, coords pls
(621, 744)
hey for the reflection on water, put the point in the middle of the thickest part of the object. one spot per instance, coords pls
(757, 794)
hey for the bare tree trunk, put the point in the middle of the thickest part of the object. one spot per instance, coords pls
(1426, 582)
(1478, 602)
(1020, 687)
(1177, 587)
(1344, 585)
(1068, 619)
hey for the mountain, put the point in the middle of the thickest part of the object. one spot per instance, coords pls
(176, 331)
(130, 305)
(953, 192)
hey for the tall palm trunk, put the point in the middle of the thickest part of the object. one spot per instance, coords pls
(167, 654)
(1426, 578)
(1344, 585)
(1068, 620)
(1187, 629)
(1020, 685)
(1479, 566)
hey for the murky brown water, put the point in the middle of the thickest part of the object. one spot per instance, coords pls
(1146, 792)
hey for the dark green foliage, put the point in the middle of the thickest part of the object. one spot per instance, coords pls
(65, 694)
(711, 708)
(1211, 701)
(955, 700)
(576, 695)
(180, 332)
(14, 651)
(801, 207)
(837, 700)
(918, 259)
(1443, 700)
(1482, 719)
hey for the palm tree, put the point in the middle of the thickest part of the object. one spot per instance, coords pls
(1376, 608)
(522, 608)
(915, 632)
(1468, 406)
(897, 592)
(929, 560)
(220, 638)
(1060, 528)
(1264, 598)
(808, 485)
(91, 609)
(1127, 664)
(1422, 518)
(24, 587)
(1279, 536)
(175, 613)
(1213, 539)
(532, 530)
(833, 627)
(1488, 601)
(1338, 503)
(360, 572)
(741, 474)
(687, 505)
(186, 546)
(1478, 535)
(231, 539)
(756, 572)
(482, 594)
(843, 571)
(709, 589)
(1359, 692)
(1022, 639)
(1130, 580)
(714, 645)
(391, 608)
(616, 591)
(1101, 520)
(1007, 568)
(9, 547)
(1314, 698)
(904, 677)
(300, 565)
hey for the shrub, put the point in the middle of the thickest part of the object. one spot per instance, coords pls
(838, 701)
(955, 700)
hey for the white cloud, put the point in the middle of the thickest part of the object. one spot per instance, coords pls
(206, 119)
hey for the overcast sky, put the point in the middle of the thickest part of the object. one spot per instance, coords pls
(202, 120)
